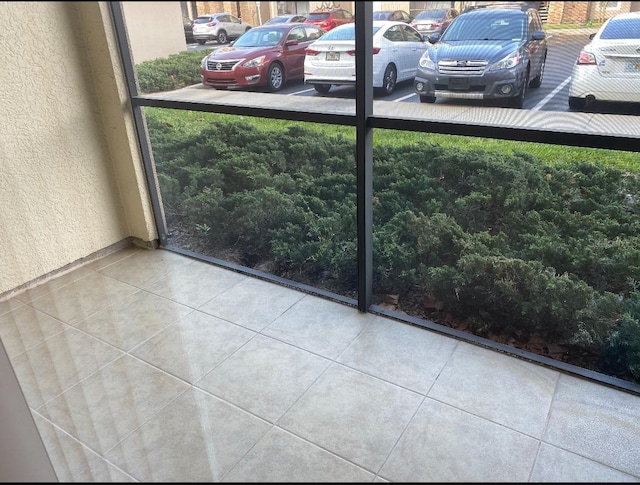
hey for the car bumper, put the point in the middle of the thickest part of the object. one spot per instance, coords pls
(205, 36)
(587, 82)
(492, 85)
(341, 75)
(237, 77)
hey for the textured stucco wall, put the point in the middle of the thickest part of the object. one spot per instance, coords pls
(71, 180)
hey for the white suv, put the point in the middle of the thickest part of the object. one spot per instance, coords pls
(221, 27)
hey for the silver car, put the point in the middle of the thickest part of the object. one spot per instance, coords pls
(221, 27)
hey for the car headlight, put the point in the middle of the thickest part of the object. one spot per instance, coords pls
(426, 62)
(255, 62)
(508, 62)
(203, 62)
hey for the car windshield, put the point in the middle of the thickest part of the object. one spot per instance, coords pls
(430, 14)
(346, 32)
(276, 20)
(259, 38)
(622, 29)
(381, 15)
(488, 27)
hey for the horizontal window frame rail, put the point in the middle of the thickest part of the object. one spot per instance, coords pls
(550, 137)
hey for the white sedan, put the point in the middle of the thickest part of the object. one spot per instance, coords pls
(608, 67)
(397, 48)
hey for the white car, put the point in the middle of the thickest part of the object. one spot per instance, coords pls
(608, 67)
(221, 27)
(397, 48)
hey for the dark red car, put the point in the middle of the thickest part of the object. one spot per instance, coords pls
(328, 18)
(268, 55)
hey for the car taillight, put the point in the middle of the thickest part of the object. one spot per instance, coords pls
(212, 24)
(586, 58)
(353, 52)
(311, 52)
(437, 25)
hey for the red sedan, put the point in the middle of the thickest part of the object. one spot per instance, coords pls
(269, 55)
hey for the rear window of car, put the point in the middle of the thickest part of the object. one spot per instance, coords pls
(622, 29)
(346, 32)
(381, 15)
(431, 14)
(318, 16)
(203, 20)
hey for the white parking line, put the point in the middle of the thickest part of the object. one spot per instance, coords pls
(405, 97)
(300, 92)
(548, 97)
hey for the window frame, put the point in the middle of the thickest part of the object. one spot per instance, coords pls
(365, 120)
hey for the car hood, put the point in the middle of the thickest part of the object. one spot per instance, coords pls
(486, 50)
(230, 52)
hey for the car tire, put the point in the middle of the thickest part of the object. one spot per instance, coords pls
(427, 99)
(322, 88)
(536, 82)
(222, 37)
(202, 41)
(577, 103)
(389, 80)
(275, 77)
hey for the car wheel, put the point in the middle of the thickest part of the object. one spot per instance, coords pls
(322, 88)
(275, 77)
(518, 101)
(427, 99)
(222, 37)
(577, 103)
(537, 81)
(202, 41)
(389, 80)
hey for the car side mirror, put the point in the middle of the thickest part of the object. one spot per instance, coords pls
(433, 38)
(591, 36)
(538, 35)
(291, 42)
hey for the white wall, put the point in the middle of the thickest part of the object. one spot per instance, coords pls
(155, 29)
(71, 178)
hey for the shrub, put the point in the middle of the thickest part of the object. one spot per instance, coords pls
(173, 72)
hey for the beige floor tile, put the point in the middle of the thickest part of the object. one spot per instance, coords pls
(265, 377)
(554, 465)
(133, 320)
(193, 345)
(497, 387)
(104, 408)
(9, 305)
(195, 284)
(408, 356)
(74, 462)
(353, 415)
(196, 438)
(144, 267)
(76, 301)
(252, 303)
(48, 369)
(281, 457)
(597, 422)
(445, 444)
(25, 327)
(53, 284)
(320, 326)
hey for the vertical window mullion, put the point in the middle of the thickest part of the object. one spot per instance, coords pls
(364, 150)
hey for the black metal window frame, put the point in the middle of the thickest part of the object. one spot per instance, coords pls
(365, 120)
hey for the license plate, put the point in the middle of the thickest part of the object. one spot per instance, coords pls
(333, 56)
(458, 83)
(632, 67)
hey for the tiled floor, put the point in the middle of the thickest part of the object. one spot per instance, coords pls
(149, 366)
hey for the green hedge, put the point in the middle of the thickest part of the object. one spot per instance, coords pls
(513, 244)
